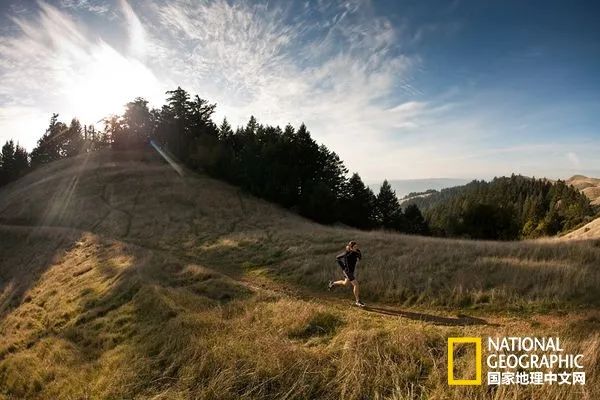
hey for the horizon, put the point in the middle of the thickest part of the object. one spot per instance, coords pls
(403, 187)
(447, 178)
(385, 85)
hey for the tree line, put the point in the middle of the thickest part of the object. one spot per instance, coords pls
(59, 141)
(286, 166)
(506, 208)
(282, 165)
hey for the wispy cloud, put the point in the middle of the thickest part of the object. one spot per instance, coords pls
(335, 66)
(338, 66)
(574, 159)
(54, 64)
(93, 6)
(138, 42)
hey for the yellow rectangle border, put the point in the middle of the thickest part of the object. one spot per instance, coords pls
(478, 361)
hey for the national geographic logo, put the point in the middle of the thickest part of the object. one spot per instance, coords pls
(517, 361)
(476, 341)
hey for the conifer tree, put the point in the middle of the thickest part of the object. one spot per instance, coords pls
(389, 213)
(414, 220)
(225, 131)
(73, 139)
(14, 162)
(7, 162)
(50, 145)
(358, 204)
(137, 123)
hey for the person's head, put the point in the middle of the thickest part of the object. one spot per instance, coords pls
(351, 245)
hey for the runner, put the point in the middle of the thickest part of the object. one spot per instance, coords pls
(347, 261)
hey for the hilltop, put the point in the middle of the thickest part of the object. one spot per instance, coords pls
(120, 278)
(588, 186)
(591, 188)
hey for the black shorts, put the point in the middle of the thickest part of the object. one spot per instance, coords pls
(348, 271)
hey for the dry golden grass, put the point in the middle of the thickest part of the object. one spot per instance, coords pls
(588, 186)
(593, 193)
(120, 279)
(590, 231)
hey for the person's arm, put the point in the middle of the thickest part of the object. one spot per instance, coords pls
(359, 254)
(340, 256)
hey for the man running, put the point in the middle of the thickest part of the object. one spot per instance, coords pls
(347, 261)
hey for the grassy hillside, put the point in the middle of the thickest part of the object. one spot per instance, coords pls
(591, 188)
(121, 279)
(590, 231)
(588, 186)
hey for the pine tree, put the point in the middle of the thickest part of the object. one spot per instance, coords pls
(251, 126)
(176, 120)
(7, 165)
(137, 124)
(114, 133)
(332, 170)
(50, 146)
(13, 162)
(225, 131)
(73, 140)
(389, 212)
(201, 112)
(358, 204)
(414, 221)
(21, 161)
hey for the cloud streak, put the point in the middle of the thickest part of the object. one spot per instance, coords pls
(55, 65)
(338, 66)
(339, 74)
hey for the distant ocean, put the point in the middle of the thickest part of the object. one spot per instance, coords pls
(406, 186)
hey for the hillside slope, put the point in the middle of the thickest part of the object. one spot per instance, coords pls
(121, 279)
(589, 186)
(589, 231)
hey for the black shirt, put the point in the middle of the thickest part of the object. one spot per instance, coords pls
(350, 258)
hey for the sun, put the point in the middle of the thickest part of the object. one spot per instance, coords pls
(106, 82)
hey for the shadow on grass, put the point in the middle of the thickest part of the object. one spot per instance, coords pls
(26, 253)
(434, 319)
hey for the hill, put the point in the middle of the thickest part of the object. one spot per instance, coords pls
(506, 208)
(588, 186)
(120, 278)
(588, 231)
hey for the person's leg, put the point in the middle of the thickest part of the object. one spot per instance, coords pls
(340, 283)
(356, 290)
(347, 278)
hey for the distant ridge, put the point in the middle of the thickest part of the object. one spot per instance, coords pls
(588, 186)
(405, 186)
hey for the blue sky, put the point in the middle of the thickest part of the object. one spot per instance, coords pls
(400, 89)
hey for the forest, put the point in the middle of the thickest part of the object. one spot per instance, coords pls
(506, 208)
(283, 165)
(288, 167)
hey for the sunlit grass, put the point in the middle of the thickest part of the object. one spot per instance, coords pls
(150, 285)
